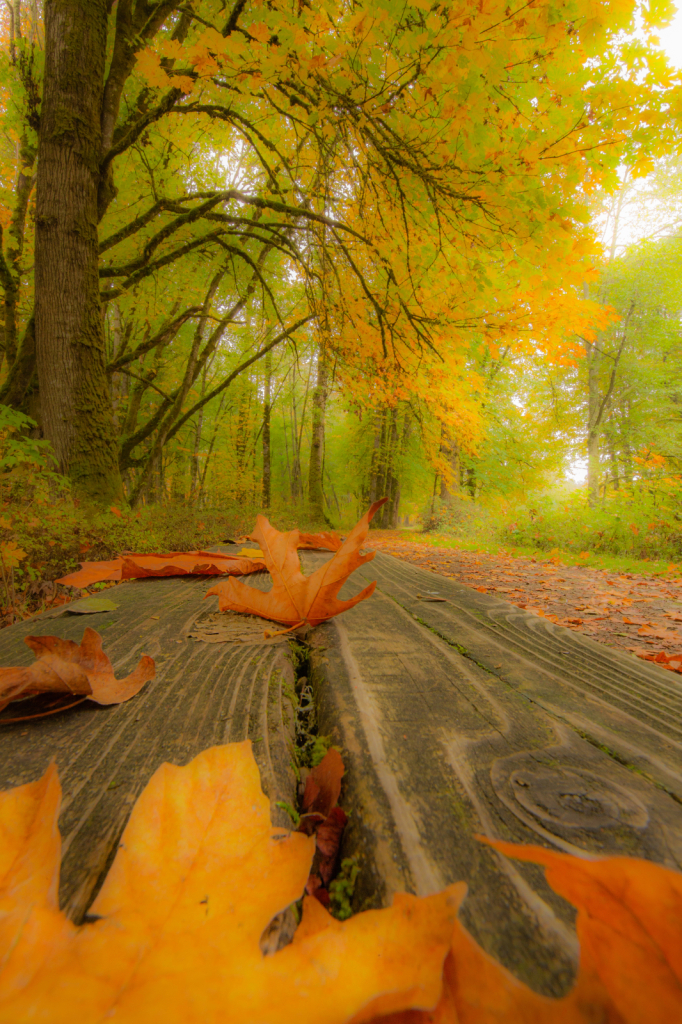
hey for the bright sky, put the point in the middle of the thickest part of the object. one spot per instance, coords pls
(671, 40)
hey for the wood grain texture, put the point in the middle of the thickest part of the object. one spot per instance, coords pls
(472, 716)
(203, 694)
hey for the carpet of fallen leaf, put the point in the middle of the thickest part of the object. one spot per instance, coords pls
(637, 613)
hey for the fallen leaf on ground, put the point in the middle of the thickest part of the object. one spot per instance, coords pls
(176, 563)
(328, 841)
(324, 820)
(198, 875)
(673, 661)
(295, 598)
(93, 572)
(65, 667)
(629, 925)
(323, 785)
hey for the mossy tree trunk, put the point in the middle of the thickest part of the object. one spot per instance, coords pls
(70, 342)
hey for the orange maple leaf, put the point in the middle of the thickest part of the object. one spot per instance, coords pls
(65, 667)
(175, 563)
(198, 875)
(630, 932)
(295, 598)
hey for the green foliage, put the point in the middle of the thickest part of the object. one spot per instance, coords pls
(643, 522)
(17, 447)
(460, 518)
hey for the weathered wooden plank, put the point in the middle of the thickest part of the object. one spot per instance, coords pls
(470, 716)
(203, 694)
(629, 705)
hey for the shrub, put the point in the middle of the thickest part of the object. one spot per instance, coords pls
(641, 521)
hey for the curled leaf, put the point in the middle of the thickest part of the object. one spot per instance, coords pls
(176, 563)
(63, 666)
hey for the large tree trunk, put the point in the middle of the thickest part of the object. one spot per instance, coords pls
(315, 486)
(70, 344)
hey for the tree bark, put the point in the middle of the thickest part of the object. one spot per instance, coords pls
(315, 486)
(22, 371)
(177, 495)
(195, 473)
(70, 342)
(389, 518)
(267, 470)
(375, 468)
(448, 489)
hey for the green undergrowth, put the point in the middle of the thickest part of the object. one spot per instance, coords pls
(634, 529)
(45, 533)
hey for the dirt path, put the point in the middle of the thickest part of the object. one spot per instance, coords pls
(641, 614)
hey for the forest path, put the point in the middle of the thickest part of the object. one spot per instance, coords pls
(636, 613)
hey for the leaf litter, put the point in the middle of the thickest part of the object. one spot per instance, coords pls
(150, 951)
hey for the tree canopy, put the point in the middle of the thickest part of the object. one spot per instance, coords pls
(211, 211)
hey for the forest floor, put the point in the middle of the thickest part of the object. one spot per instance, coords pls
(638, 613)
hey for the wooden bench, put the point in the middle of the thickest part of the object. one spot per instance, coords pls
(469, 715)
(456, 717)
(203, 694)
